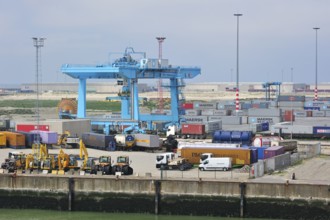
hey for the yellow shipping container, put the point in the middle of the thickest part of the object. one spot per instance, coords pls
(3, 140)
(14, 139)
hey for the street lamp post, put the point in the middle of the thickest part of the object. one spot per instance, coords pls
(315, 89)
(237, 65)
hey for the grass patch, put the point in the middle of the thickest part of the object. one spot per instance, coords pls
(30, 103)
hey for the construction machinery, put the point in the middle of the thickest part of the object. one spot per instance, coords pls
(65, 140)
(36, 160)
(122, 166)
(15, 160)
(105, 165)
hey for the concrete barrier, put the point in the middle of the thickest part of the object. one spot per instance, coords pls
(176, 196)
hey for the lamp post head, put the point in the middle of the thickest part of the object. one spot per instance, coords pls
(316, 28)
(238, 14)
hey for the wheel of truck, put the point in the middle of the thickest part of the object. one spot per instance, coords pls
(202, 168)
(125, 170)
(130, 170)
(162, 167)
(225, 169)
(107, 170)
(114, 170)
(181, 168)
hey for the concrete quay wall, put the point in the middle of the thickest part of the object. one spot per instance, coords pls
(287, 200)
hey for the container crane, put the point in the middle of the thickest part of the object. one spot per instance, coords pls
(129, 71)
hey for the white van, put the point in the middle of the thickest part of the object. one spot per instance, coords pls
(216, 163)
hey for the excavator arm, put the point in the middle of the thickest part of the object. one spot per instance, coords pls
(83, 154)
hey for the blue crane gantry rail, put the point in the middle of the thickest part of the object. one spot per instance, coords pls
(130, 71)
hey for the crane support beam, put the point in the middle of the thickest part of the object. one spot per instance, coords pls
(81, 113)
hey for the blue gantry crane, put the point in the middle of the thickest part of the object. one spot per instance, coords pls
(128, 71)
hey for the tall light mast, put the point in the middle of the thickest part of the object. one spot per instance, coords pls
(237, 64)
(38, 43)
(160, 82)
(315, 89)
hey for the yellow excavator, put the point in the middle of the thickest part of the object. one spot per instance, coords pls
(36, 160)
(90, 164)
(63, 162)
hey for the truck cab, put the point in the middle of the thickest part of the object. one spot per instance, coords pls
(162, 160)
(206, 156)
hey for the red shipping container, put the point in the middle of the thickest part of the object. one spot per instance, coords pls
(289, 116)
(188, 105)
(31, 127)
(193, 129)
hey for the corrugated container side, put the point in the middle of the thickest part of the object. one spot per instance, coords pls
(314, 104)
(97, 141)
(231, 120)
(188, 106)
(290, 98)
(30, 138)
(193, 129)
(240, 156)
(214, 118)
(3, 142)
(221, 112)
(270, 120)
(321, 130)
(272, 112)
(318, 113)
(196, 119)
(291, 104)
(207, 112)
(31, 127)
(15, 139)
(301, 114)
(147, 140)
(212, 126)
(273, 151)
(327, 113)
(205, 105)
(261, 152)
(193, 112)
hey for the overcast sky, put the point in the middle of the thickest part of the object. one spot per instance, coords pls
(275, 36)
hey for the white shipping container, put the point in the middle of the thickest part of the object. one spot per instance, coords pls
(231, 120)
(193, 112)
(271, 120)
(318, 113)
(207, 112)
(212, 126)
(205, 105)
(196, 119)
(215, 118)
(270, 112)
(300, 113)
(221, 112)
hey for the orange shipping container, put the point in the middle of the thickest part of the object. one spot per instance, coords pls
(14, 139)
(3, 140)
(240, 156)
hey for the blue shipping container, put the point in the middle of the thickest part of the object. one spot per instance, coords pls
(321, 130)
(261, 152)
(312, 108)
